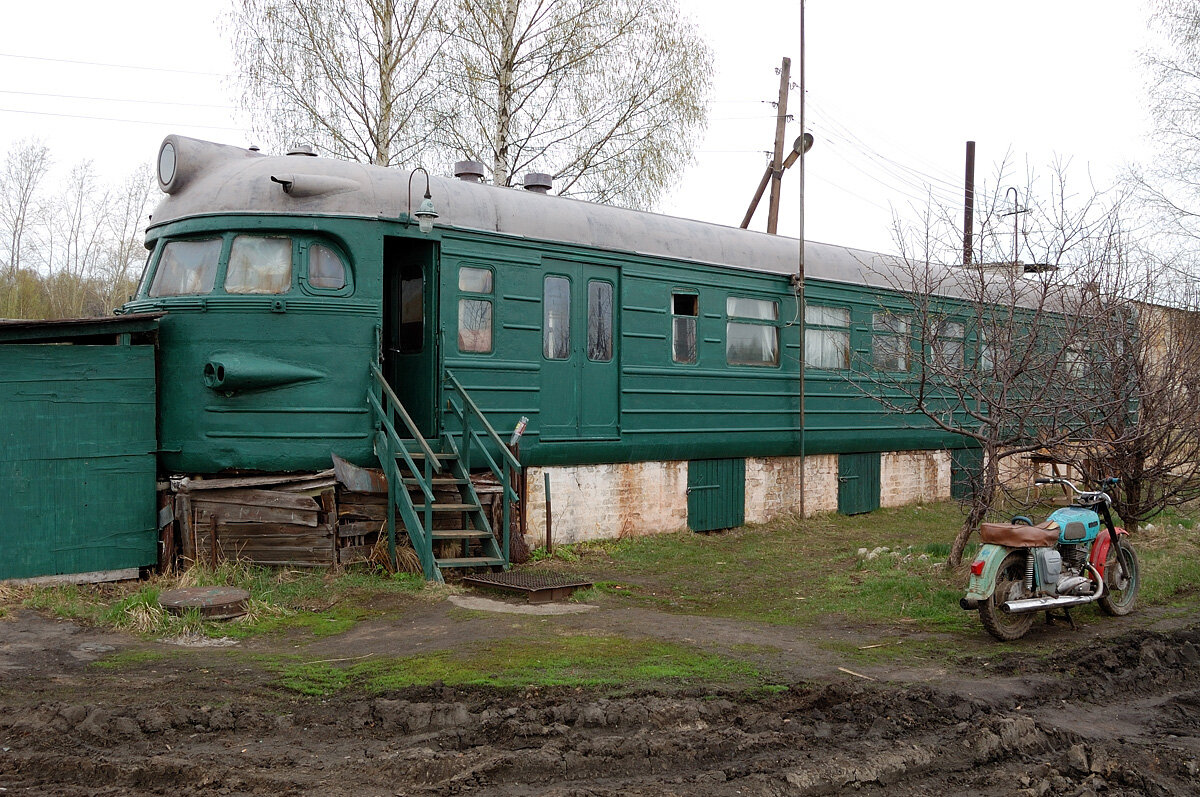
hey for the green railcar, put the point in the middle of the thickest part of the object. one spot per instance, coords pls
(622, 336)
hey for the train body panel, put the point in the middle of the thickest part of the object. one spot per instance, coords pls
(622, 336)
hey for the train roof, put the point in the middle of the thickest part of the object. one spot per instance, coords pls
(214, 178)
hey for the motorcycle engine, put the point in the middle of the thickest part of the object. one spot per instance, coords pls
(1048, 566)
(1073, 581)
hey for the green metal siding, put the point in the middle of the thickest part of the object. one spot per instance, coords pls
(716, 494)
(663, 410)
(858, 483)
(77, 476)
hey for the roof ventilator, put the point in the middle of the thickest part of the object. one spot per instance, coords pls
(539, 182)
(302, 149)
(469, 171)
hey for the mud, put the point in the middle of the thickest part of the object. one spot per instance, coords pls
(1120, 718)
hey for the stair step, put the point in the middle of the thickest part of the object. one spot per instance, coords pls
(460, 534)
(470, 561)
(449, 507)
(438, 454)
(438, 481)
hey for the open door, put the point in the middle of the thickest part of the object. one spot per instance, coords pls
(410, 356)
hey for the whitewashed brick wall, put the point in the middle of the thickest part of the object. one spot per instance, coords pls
(820, 484)
(593, 502)
(908, 477)
(596, 502)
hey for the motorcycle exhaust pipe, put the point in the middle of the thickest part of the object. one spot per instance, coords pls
(1060, 602)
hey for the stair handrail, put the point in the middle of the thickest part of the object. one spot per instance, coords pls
(470, 406)
(409, 424)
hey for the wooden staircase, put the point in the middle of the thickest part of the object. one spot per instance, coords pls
(429, 486)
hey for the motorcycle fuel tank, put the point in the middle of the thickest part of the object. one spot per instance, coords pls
(1075, 524)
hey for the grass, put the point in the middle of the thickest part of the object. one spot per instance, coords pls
(792, 572)
(885, 567)
(281, 601)
(569, 660)
(128, 659)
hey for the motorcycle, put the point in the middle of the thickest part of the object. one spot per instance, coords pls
(1078, 556)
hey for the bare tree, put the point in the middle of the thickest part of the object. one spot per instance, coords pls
(24, 169)
(353, 77)
(72, 251)
(992, 353)
(1146, 436)
(608, 95)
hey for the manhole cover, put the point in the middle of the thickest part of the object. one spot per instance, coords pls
(213, 603)
(537, 587)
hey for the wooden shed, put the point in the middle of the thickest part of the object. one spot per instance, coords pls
(77, 428)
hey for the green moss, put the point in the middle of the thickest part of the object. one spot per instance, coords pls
(130, 659)
(571, 660)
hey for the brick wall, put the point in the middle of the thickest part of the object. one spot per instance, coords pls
(908, 477)
(595, 502)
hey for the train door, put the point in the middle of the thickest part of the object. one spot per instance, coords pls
(410, 357)
(579, 352)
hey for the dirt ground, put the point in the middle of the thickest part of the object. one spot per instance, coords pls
(1111, 708)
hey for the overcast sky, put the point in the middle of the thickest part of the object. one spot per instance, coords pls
(895, 89)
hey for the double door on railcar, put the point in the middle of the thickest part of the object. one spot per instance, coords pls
(580, 340)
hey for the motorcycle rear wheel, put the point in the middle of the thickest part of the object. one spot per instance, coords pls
(1010, 585)
(1121, 580)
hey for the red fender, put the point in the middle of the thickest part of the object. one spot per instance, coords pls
(1100, 550)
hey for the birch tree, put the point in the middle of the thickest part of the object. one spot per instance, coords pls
(352, 77)
(608, 96)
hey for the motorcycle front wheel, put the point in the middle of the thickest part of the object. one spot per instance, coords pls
(1010, 585)
(1121, 579)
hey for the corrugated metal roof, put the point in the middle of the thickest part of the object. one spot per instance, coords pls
(73, 330)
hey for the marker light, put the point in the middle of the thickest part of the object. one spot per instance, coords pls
(977, 567)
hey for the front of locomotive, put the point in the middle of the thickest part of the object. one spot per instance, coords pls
(271, 309)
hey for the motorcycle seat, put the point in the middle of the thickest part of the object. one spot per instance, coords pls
(1012, 535)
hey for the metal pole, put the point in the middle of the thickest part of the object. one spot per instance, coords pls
(549, 539)
(969, 204)
(800, 264)
(785, 79)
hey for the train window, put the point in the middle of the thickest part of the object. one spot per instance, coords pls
(760, 309)
(325, 268)
(186, 268)
(947, 346)
(475, 280)
(826, 337)
(600, 321)
(556, 318)
(475, 325)
(751, 343)
(685, 307)
(889, 343)
(475, 314)
(259, 265)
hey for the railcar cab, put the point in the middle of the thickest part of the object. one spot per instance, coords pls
(264, 347)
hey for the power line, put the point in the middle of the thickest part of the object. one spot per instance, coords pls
(113, 99)
(112, 66)
(123, 121)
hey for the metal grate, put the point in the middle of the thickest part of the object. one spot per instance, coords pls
(537, 587)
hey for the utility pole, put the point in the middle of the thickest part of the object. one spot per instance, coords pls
(785, 77)
(969, 205)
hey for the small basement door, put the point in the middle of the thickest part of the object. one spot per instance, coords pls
(716, 494)
(858, 483)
